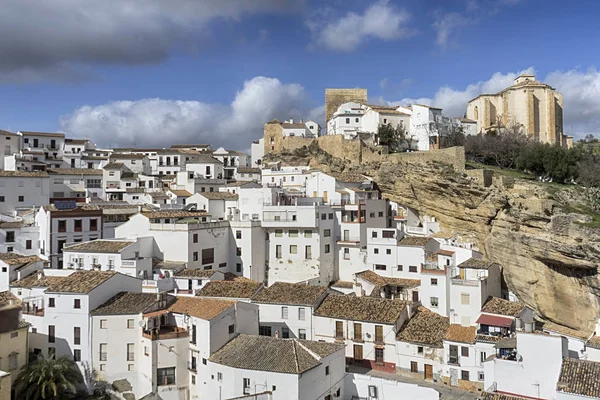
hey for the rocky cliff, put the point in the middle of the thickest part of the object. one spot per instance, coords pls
(549, 256)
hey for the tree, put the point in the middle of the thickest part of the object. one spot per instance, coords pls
(455, 136)
(394, 137)
(48, 379)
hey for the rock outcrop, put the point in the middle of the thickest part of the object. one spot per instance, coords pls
(549, 256)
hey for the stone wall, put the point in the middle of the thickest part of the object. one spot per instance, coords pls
(483, 176)
(454, 156)
(336, 97)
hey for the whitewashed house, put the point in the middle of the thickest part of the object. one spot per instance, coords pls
(73, 151)
(11, 145)
(289, 369)
(51, 143)
(367, 325)
(15, 266)
(76, 184)
(461, 361)
(286, 309)
(19, 235)
(247, 174)
(20, 190)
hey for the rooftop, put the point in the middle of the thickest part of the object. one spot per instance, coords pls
(414, 241)
(496, 305)
(194, 273)
(173, 214)
(248, 170)
(100, 246)
(126, 303)
(113, 166)
(425, 327)
(77, 282)
(201, 308)
(180, 193)
(22, 174)
(563, 330)
(461, 334)
(6, 297)
(219, 195)
(74, 171)
(594, 342)
(263, 353)
(128, 156)
(238, 289)
(76, 141)
(189, 146)
(379, 280)
(500, 396)
(579, 377)
(203, 159)
(3, 132)
(49, 134)
(476, 263)
(366, 309)
(290, 293)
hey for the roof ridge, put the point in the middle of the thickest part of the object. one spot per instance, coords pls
(312, 353)
(295, 356)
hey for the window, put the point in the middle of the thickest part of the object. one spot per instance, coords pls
(378, 333)
(420, 350)
(433, 281)
(93, 224)
(77, 335)
(51, 330)
(284, 312)
(51, 352)
(301, 333)
(380, 214)
(12, 361)
(246, 385)
(294, 233)
(238, 234)
(278, 251)
(293, 249)
(480, 376)
(264, 330)
(323, 217)
(21, 199)
(165, 376)
(380, 267)
(195, 256)
(433, 301)
(238, 267)
(62, 225)
(330, 215)
(231, 329)
(273, 388)
(388, 251)
(483, 356)
(195, 238)
(28, 244)
(222, 265)
(308, 252)
(285, 333)
(278, 233)
(102, 324)
(193, 379)
(146, 351)
(4, 269)
(1, 199)
(130, 324)
(208, 256)
(375, 251)
(400, 267)
(103, 348)
(374, 234)
(14, 335)
(77, 303)
(130, 352)
(464, 351)
(465, 298)
(10, 236)
(204, 361)
(327, 370)
(51, 302)
(238, 252)
(347, 120)
(339, 330)
(219, 376)
(307, 234)
(372, 215)
(76, 355)
(327, 248)
(412, 268)
(301, 313)
(327, 233)
(464, 375)
(358, 336)
(379, 356)
(78, 225)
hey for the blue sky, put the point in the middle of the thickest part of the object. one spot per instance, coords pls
(154, 72)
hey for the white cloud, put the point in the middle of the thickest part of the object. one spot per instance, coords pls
(40, 37)
(381, 20)
(159, 122)
(383, 83)
(447, 25)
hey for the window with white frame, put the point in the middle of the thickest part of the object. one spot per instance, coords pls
(284, 312)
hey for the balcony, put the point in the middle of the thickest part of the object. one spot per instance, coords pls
(348, 240)
(113, 186)
(192, 366)
(33, 306)
(464, 282)
(166, 332)
(454, 360)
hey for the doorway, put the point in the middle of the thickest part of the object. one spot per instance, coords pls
(428, 371)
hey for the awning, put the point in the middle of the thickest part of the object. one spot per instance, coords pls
(495, 320)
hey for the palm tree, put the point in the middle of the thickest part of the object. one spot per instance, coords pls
(48, 379)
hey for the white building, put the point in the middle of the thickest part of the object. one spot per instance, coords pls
(286, 309)
(461, 362)
(257, 152)
(14, 267)
(20, 190)
(51, 143)
(290, 369)
(292, 177)
(11, 144)
(246, 174)
(231, 160)
(75, 184)
(19, 235)
(73, 151)
(367, 325)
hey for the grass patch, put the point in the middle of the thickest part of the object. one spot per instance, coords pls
(513, 173)
(580, 209)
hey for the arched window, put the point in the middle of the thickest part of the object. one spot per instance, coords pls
(476, 113)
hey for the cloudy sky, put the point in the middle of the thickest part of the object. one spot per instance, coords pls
(156, 72)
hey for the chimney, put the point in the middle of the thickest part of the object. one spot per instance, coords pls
(40, 275)
(277, 334)
(291, 120)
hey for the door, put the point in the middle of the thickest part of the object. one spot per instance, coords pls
(346, 235)
(53, 144)
(413, 367)
(415, 296)
(325, 197)
(35, 143)
(189, 284)
(428, 371)
(358, 352)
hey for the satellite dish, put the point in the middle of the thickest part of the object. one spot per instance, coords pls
(141, 323)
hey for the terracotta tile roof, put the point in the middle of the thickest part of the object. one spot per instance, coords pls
(11, 224)
(230, 276)
(579, 377)
(3, 132)
(158, 195)
(201, 308)
(461, 334)
(6, 297)
(173, 214)
(203, 159)
(135, 190)
(127, 156)
(366, 309)
(77, 282)
(126, 303)
(379, 280)
(414, 241)
(500, 396)
(22, 174)
(263, 353)
(74, 171)
(238, 289)
(446, 253)
(114, 166)
(425, 327)
(487, 339)
(94, 157)
(475, 263)
(180, 193)
(100, 246)
(76, 141)
(290, 293)
(343, 284)
(49, 134)
(219, 195)
(563, 330)
(194, 273)
(17, 259)
(594, 342)
(248, 170)
(496, 305)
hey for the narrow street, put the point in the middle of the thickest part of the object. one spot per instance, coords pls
(447, 392)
